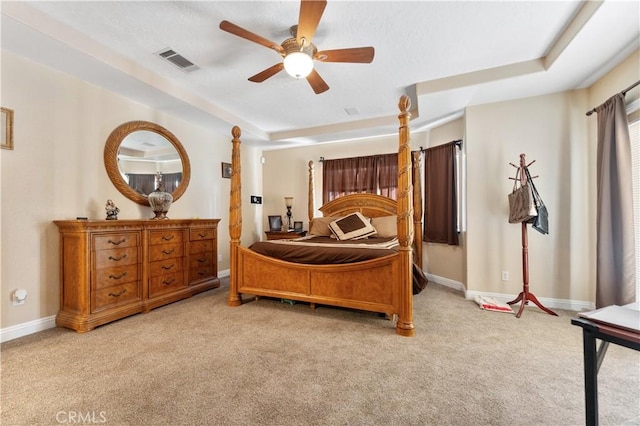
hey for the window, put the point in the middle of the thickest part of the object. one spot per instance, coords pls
(374, 174)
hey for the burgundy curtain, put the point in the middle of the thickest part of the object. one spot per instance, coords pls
(440, 198)
(171, 181)
(388, 175)
(371, 174)
(143, 184)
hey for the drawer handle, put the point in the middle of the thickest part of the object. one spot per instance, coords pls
(118, 294)
(203, 234)
(117, 277)
(201, 260)
(168, 251)
(117, 243)
(117, 259)
(201, 273)
(166, 268)
(171, 281)
(168, 238)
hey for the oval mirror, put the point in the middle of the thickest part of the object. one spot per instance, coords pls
(139, 155)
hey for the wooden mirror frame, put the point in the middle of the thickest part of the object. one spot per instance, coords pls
(111, 149)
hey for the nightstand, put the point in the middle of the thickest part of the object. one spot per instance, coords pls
(284, 235)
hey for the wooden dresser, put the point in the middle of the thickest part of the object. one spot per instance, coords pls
(110, 269)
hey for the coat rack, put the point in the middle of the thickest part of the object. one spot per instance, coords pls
(525, 295)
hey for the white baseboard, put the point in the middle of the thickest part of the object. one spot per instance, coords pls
(456, 285)
(20, 330)
(552, 303)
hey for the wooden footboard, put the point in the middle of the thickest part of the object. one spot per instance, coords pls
(371, 285)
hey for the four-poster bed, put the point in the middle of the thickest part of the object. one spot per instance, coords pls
(383, 284)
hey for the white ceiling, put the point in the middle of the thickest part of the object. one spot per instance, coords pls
(446, 55)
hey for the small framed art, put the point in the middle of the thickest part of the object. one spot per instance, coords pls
(275, 223)
(6, 141)
(297, 226)
(226, 170)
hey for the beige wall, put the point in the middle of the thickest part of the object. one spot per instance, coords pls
(551, 130)
(618, 79)
(442, 260)
(56, 171)
(554, 131)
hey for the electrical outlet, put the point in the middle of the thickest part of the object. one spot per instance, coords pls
(19, 297)
(505, 275)
(219, 258)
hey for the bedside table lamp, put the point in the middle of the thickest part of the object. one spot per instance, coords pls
(288, 201)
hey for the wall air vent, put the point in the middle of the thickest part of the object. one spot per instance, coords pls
(177, 60)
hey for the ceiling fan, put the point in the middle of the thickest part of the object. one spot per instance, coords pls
(299, 52)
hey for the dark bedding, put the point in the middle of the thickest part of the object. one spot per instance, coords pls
(317, 250)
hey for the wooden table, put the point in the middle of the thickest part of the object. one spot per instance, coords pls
(607, 333)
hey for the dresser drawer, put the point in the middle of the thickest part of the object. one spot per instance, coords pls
(116, 257)
(197, 274)
(166, 283)
(115, 276)
(115, 295)
(111, 241)
(201, 246)
(166, 236)
(197, 234)
(165, 251)
(166, 266)
(201, 259)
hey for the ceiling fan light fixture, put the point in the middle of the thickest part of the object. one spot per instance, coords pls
(298, 64)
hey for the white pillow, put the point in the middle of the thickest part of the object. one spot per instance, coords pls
(386, 226)
(352, 227)
(320, 226)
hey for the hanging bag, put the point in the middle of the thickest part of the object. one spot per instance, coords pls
(541, 222)
(522, 207)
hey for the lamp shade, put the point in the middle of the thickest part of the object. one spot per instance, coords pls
(288, 201)
(298, 64)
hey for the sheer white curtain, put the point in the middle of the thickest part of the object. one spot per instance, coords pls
(615, 275)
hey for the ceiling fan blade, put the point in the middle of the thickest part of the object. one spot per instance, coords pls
(354, 55)
(309, 18)
(269, 72)
(248, 35)
(317, 83)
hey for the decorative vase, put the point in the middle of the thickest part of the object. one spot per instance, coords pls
(160, 201)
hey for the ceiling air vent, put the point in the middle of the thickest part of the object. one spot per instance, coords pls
(177, 59)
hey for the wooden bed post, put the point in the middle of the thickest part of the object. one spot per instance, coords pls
(235, 218)
(417, 208)
(311, 198)
(404, 325)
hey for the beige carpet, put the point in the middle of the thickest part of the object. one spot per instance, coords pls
(199, 362)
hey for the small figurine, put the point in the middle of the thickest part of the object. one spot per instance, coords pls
(112, 210)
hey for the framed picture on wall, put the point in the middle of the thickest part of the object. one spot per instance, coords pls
(226, 170)
(6, 136)
(275, 223)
